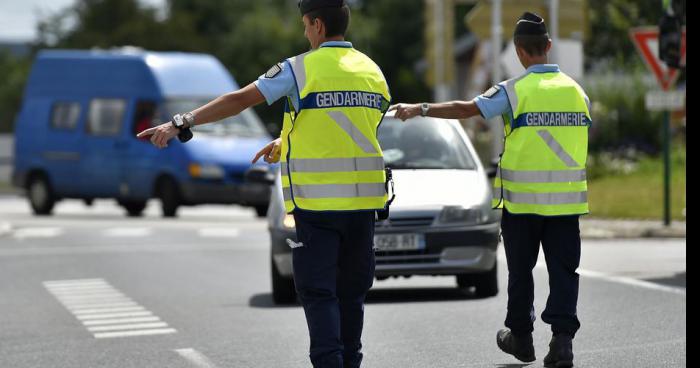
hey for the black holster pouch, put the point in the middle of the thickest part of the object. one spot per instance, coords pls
(383, 214)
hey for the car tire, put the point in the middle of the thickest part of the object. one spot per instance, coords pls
(261, 210)
(40, 195)
(283, 291)
(134, 208)
(486, 283)
(169, 195)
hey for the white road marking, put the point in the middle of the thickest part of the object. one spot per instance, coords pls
(632, 282)
(105, 311)
(161, 331)
(122, 248)
(76, 282)
(79, 312)
(99, 304)
(218, 232)
(624, 280)
(37, 232)
(196, 358)
(86, 317)
(134, 326)
(127, 232)
(117, 321)
(91, 296)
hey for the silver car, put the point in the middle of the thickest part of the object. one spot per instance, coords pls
(441, 222)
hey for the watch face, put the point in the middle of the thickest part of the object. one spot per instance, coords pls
(178, 120)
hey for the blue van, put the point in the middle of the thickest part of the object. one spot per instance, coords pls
(76, 133)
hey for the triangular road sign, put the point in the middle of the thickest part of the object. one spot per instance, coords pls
(647, 41)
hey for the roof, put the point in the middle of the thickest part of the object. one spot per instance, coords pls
(128, 71)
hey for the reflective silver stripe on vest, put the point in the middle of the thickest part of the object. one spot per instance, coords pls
(557, 148)
(510, 91)
(339, 190)
(287, 194)
(546, 198)
(553, 176)
(344, 123)
(323, 165)
(299, 70)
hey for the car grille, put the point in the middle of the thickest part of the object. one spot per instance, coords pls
(406, 257)
(411, 221)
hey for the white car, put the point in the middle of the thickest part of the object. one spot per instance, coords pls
(441, 222)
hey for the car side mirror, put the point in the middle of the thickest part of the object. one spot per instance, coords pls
(260, 175)
(492, 170)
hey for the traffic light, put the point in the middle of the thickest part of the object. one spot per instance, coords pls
(670, 33)
(670, 36)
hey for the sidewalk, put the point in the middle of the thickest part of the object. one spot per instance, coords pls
(592, 228)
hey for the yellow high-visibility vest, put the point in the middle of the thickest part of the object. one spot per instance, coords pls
(543, 167)
(330, 158)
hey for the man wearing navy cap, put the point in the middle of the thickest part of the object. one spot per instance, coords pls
(332, 172)
(541, 186)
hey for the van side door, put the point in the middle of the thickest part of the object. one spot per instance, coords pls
(61, 149)
(101, 166)
(142, 161)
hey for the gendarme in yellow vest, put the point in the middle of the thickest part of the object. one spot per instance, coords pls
(331, 159)
(543, 167)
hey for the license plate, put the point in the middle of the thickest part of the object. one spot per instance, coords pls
(398, 242)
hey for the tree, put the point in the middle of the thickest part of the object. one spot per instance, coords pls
(13, 72)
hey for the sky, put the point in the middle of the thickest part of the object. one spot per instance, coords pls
(18, 18)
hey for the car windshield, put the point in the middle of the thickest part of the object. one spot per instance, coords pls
(246, 124)
(423, 143)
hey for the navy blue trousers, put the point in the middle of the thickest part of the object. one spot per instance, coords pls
(561, 243)
(333, 271)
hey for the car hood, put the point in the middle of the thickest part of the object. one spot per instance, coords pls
(211, 149)
(434, 189)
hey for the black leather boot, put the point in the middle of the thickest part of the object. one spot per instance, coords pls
(561, 354)
(520, 347)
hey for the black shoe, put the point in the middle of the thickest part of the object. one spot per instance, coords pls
(561, 354)
(520, 347)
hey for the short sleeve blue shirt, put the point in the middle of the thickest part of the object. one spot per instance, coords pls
(283, 84)
(494, 102)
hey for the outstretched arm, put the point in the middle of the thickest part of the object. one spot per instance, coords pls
(222, 107)
(444, 110)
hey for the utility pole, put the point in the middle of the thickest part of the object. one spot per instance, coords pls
(442, 89)
(496, 75)
(554, 30)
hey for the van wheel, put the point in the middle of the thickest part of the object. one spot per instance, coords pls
(283, 291)
(261, 210)
(134, 208)
(89, 201)
(40, 196)
(169, 196)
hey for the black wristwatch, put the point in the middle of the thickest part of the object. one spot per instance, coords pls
(185, 135)
(424, 107)
(184, 121)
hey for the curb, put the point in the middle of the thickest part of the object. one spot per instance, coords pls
(626, 229)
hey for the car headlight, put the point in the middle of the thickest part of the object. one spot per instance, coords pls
(206, 171)
(288, 221)
(458, 215)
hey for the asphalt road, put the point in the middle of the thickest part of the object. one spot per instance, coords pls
(195, 292)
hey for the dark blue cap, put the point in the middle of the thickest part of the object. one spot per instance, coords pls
(530, 24)
(306, 6)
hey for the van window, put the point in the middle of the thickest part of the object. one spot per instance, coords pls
(144, 117)
(246, 124)
(105, 116)
(64, 115)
